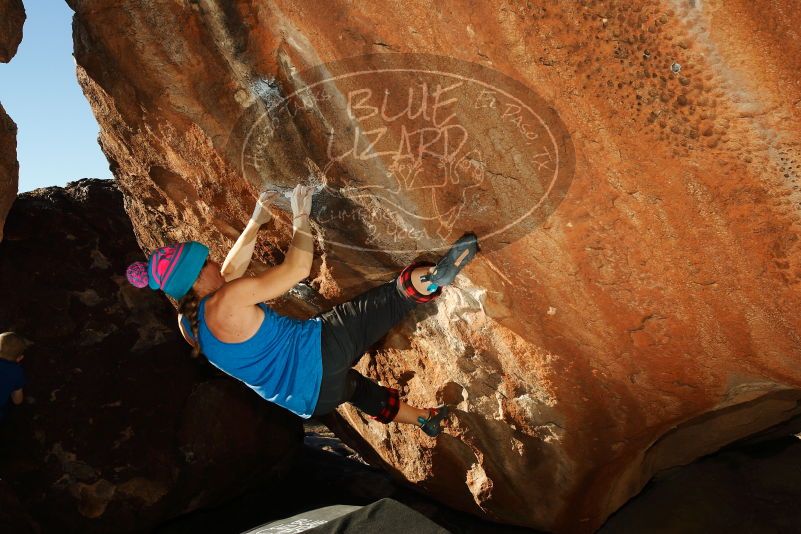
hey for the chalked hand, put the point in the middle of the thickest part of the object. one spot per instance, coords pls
(261, 213)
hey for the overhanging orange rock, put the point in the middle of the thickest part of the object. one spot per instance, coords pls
(648, 320)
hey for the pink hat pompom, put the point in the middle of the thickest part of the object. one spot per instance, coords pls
(137, 274)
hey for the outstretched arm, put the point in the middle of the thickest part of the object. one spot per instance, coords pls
(277, 280)
(238, 259)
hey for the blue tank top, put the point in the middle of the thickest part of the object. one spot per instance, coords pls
(282, 362)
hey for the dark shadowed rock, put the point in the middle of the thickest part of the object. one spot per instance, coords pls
(748, 488)
(120, 429)
(13, 516)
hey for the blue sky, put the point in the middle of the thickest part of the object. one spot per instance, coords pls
(57, 137)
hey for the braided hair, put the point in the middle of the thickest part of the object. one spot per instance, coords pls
(189, 307)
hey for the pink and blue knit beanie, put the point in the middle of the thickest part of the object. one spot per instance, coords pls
(173, 268)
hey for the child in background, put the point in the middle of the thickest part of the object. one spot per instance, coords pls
(12, 378)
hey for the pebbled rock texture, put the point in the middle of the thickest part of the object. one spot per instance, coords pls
(649, 319)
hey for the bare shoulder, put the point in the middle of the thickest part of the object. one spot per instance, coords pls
(229, 320)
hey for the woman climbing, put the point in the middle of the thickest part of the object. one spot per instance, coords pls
(303, 365)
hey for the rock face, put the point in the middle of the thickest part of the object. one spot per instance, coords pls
(12, 17)
(9, 167)
(642, 310)
(750, 488)
(13, 516)
(121, 429)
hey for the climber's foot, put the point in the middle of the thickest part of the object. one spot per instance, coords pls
(460, 254)
(431, 425)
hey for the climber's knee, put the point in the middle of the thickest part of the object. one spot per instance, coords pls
(406, 288)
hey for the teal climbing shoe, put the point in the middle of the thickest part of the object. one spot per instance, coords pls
(431, 425)
(459, 255)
